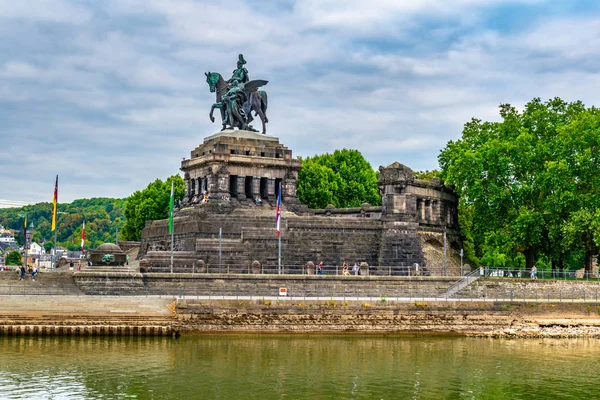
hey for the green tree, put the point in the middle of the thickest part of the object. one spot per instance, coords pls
(344, 179)
(527, 184)
(48, 246)
(14, 258)
(427, 175)
(149, 204)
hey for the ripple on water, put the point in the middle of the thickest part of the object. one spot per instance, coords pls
(296, 367)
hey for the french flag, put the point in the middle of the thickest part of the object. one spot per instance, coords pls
(279, 212)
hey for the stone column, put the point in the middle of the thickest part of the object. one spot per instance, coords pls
(421, 203)
(211, 185)
(256, 187)
(241, 187)
(187, 189)
(271, 188)
(428, 210)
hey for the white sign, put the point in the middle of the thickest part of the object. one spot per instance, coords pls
(282, 291)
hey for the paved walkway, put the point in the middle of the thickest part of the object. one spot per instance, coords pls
(85, 305)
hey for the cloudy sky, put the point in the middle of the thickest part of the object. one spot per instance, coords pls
(111, 94)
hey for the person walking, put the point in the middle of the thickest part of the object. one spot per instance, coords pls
(34, 273)
(320, 268)
(533, 272)
(22, 272)
(355, 269)
(78, 265)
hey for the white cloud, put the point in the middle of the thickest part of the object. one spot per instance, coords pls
(113, 103)
(44, 10)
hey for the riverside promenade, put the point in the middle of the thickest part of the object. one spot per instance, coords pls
(97, 303)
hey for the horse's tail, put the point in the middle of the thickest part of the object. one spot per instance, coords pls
(263, 101)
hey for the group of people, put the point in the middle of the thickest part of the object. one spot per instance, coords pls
(202, 199)
(33, 271)
(345, 269)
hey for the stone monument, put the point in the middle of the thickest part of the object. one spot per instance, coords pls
(227, 215)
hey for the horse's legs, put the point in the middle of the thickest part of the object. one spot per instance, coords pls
(241, 122)
(261, 115)
(222, 109)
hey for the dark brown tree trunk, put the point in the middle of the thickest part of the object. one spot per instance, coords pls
(588, 261)
(529, 259)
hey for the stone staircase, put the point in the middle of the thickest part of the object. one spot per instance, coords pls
(462, 283)
(89, 315)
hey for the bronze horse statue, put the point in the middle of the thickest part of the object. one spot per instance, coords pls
(256, 101)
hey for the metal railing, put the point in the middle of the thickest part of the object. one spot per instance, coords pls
(290, 269)
(541, 274)
(465, 281)
(569, 295)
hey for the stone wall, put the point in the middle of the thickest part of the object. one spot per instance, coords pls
(542, 289)
(112, 283)
(347, 317)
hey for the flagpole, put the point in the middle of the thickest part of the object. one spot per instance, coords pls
(55, 220)
(171, 227)
(279, 258)
(52, 267)
(172, 241)
(25, 246)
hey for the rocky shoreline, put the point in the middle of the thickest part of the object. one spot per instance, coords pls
(164, 316)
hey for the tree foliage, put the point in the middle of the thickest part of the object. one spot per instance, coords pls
(344, 179)
(427, 175)
(14, 258)
(102, 215)
(150, 204)
(529, 185)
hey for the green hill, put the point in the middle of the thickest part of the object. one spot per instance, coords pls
(102, 217)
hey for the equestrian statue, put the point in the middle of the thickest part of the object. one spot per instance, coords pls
(237, 98)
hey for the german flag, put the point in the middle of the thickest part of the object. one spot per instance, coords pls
(54, 204)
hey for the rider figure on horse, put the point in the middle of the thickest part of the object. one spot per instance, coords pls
(240, 74)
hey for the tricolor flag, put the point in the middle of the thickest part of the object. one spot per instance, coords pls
(278, 223)
(171, 208)
(54, 203)
(83, 237)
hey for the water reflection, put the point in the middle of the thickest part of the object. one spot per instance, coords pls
(296, 367)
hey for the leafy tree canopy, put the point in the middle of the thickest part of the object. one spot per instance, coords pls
(427, 175)
(14, 258)
(150, 204)
(529, 185)
(344, 179)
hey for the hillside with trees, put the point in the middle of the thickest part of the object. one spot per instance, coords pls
(102, 217)
(529, 185)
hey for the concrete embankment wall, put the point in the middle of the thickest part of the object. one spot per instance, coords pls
(503, 288)
(68, 315)
(462, 318)
(259, 285)
(111, 315)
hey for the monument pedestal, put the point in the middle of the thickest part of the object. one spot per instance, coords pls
(241, 167)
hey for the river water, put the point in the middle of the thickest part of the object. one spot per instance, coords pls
(298, 367)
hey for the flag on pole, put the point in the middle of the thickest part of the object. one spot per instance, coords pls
(171, 209)
(54, 202)
(278, 223)
(83, 237)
